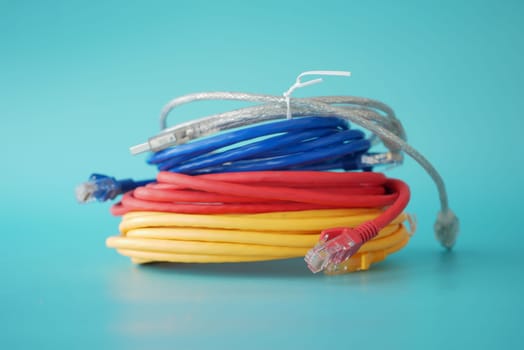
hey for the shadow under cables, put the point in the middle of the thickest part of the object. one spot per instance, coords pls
(291, 268)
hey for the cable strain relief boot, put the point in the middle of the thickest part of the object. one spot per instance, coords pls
(367, 231)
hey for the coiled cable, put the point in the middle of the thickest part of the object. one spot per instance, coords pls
(247, 166)
(289, 144)
(258, 216)
(372, 115)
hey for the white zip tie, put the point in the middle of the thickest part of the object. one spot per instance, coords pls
(299, 84)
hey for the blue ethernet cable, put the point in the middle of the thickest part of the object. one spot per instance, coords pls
(103, 188)
(308, 143)
(304, 160)
(349, 142)
(289, 143)
(260, 149)
(202, 146)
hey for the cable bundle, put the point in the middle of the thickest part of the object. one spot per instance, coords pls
(305, 143)
(244, 186)
(257, 215)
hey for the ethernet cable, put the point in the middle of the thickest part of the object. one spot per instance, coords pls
(264, 191)
(338, 248)
(288, 144)
(101, 188)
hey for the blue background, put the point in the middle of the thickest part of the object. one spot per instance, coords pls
(81, 81)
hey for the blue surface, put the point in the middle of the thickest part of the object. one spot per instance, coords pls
(80, 82)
